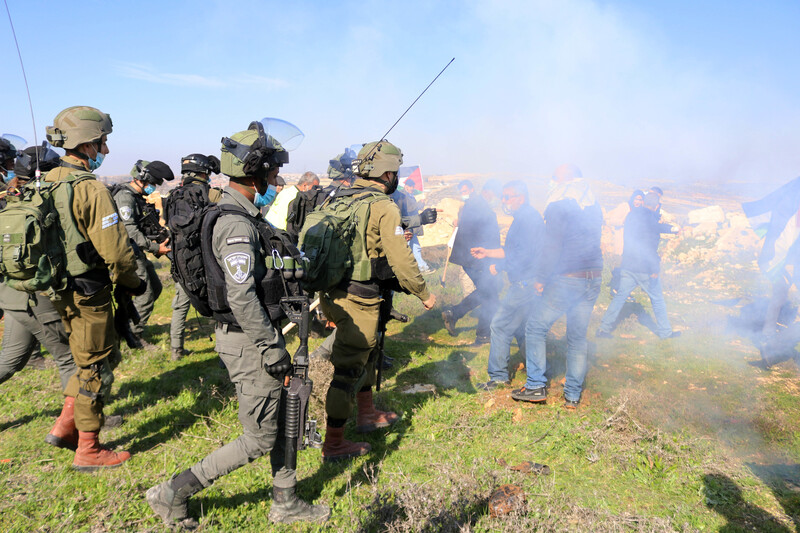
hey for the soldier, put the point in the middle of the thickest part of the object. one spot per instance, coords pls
(98, 254)
(196, 170)
(7, 154)
(354, 306)
(30, 321)
(131, 204)
(250, 345)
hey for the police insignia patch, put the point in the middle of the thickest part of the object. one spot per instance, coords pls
(125, 212)
(238, 265)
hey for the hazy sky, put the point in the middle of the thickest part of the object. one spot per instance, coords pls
(625, 90)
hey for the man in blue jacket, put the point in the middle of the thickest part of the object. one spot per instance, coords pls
(640, 267)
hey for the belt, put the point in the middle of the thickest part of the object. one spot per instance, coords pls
(585, 274)
(361, 289)
(229, 327)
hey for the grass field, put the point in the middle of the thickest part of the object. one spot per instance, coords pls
(676, 435)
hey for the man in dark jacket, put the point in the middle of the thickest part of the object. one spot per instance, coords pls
(568, 277)
(477, 228)
(640, 267)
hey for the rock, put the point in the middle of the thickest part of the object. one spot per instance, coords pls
(506, 499)
(705, 229)
(419, 388)
(707, 215)
(738, 220)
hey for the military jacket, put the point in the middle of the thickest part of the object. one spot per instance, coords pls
(129, 205)
(385, 239)
(98, 221)
(242, 258)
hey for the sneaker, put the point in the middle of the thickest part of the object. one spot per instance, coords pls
(449, 321)
(600, 334)
(528, 395)
(571, 404)
(492, 385)
(480, 341)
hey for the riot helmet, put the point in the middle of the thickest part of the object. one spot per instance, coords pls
(25, 166)
(154, 173)
(263, 146)
(199, 163)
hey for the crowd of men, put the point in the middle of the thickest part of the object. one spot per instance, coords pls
(553, 264)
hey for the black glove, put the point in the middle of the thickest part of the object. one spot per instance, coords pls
(281, 368)
(138, 291)
(427, 216)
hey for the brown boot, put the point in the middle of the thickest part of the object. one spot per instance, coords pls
(336, 448)
(369, 418)
(64, 434)
(92, 456)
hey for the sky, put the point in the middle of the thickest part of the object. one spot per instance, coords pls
(626, 90)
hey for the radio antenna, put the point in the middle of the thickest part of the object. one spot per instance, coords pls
(27, 89)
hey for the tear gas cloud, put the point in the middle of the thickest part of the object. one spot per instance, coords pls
(625, 91)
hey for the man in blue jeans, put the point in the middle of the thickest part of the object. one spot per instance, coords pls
(640, 267)
(518, 258)
(568, 277)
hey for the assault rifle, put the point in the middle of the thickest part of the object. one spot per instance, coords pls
(385, 314)
(151, 228)
(125, 312)
(300, 431)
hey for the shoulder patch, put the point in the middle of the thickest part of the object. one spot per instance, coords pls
(238, 265)
(237, 240)
(125, 212)
(398, 230)
(109, 220)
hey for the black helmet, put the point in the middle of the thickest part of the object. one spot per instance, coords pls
(7, 150)
(25, 165)
(155, 172)
(206, 164)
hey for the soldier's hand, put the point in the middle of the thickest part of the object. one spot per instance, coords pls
(430, 302)
(163, 248)
(282, 368)
(427, 216)
(538, 287)
(407, 235)
(138, 291)
(493, 269)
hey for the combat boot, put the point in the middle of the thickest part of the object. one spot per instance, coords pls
(91, 455)
(169, 500)
(336, 448)
(288, 508)
(64, 434)
(369, 418)
(178, 354)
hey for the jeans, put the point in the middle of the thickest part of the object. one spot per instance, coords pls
(511, 314)
(575, 297)
(416, 249)
(485, 297)
(652, 286)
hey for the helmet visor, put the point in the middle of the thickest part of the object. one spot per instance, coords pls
(16, 141)
(287, 135)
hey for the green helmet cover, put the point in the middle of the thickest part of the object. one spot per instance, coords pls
(377, 157)
(77, 125)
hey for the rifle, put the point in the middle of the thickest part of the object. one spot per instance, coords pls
(125, 313)
(151, 227)
(300, 431)
(385, 314)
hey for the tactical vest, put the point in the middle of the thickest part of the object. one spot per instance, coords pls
(71, 236)
(283, 262)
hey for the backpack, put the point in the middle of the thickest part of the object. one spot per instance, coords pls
(284, 266)
(299, 208)
(33, 252)
(333, 239)
(184, 210)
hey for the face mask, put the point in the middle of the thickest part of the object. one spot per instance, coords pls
(95, 163)
(464, 197)
(10, 175)
(263, 200)
(392, 185)
(149, 189)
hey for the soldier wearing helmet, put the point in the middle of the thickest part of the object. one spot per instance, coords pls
(131, 205)
(196, 171)
(250, 345)
(354, 306)
(7, 154)
(98, 254)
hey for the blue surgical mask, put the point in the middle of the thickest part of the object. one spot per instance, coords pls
(95, 163)
(10, 175)
(149, 189)
(263, 200)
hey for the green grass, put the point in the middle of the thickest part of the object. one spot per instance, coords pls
(679, 435)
